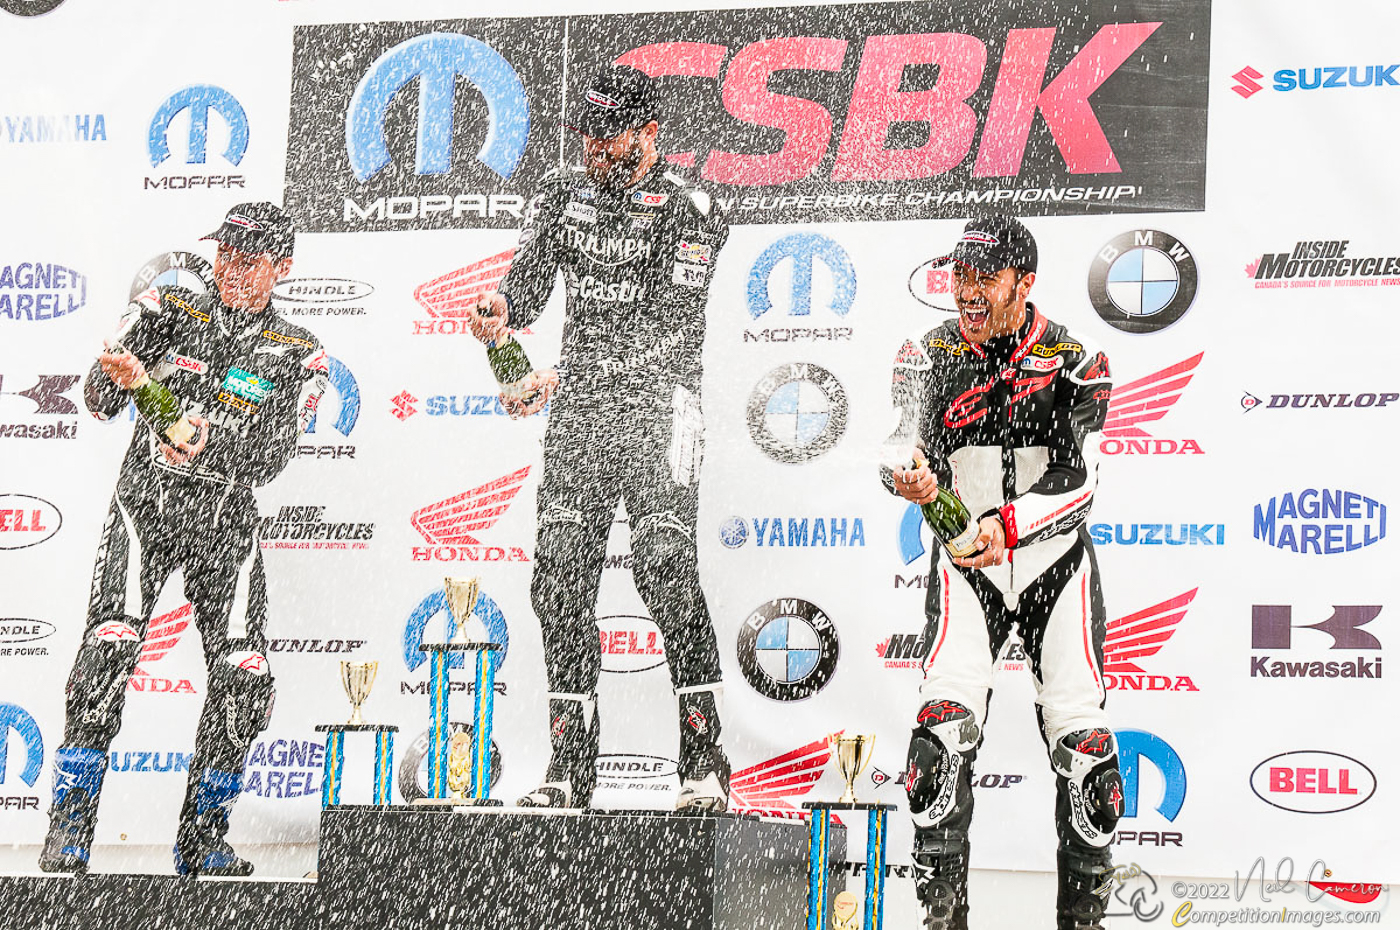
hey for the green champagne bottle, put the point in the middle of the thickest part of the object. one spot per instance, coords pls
(161, 409)
(949, 519)
(509, 364)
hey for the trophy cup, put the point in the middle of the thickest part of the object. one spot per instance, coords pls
(851, 754)
(469, 782)
(357, 678)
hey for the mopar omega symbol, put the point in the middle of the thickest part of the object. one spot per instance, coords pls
(199, 100)
(805, 250)
(436, 60)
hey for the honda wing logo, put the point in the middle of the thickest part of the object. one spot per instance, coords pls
(436, 60)
(771, 786)
(161, 636)
(1147, 399)
(199, 100)
(805, 249)
(453, 522)
(13, 717)
(453, 294)
(1141, 634)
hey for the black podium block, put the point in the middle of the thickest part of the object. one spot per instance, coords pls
(473, 869)
(487, 870)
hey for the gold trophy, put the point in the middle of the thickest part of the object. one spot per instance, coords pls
(358, 679)
(461, 601)
(459, 764)
(851, 754)
(844, 912)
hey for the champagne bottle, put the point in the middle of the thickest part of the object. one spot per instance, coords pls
(161, 409)
(510, 365)
(949, 519)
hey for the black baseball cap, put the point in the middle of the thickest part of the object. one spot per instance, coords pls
(257, 227)
(991, 243)
(618, 98)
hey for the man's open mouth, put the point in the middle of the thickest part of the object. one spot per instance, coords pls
(975, 316)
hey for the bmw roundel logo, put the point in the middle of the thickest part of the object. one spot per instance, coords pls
(733, 532)
(788, 649)
(1143, 281)
(29, 7)
(797, 412)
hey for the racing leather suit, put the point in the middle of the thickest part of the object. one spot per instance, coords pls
(625, 422)
(1011, 427)
(257, 379)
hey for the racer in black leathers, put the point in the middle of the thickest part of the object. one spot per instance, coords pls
(1010, 424)
(256, 380)
(637, 261)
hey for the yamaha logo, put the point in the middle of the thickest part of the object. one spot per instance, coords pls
(797, 412)
(788, 649)
(1143, 281)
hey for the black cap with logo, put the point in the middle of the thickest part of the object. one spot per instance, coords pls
(991, 243)
(257, 227)
(618, 98)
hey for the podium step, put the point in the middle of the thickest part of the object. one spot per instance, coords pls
(473, 869)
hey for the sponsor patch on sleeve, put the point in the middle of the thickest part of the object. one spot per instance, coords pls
(287, 340)
(244, 390)
(911, 355)
(583, 212)
(697, 252)
(688, 275)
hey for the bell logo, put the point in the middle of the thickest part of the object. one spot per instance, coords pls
(436, 60)
(199, 100)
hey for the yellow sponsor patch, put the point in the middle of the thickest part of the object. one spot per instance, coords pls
(952, 348)
(289, 340)
(1047, 351)
(188, 307)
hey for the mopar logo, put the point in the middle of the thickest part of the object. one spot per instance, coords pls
(805, 250)
(436, 60)
(199, 100)
(1320, 521)
(347, 389)
(486, 612)
(1133, 746)
(912, 529)
(13, 717)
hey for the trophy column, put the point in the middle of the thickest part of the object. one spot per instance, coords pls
(844, 906)
(335, 760)
(444, 771)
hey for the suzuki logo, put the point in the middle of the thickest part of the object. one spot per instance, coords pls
(1248, 84)
(1132, 746)
(348, 390)
(1273, 626)
(804, 249)
(18, 719)
(403, 405)
(436, 60)
(199, 100)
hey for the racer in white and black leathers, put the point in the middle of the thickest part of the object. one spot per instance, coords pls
(254, 380)
(637, 260)
(1010, 424)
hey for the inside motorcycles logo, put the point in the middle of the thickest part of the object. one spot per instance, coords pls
(1319, 263)
(797, 412)
(1143, 281)
(1320, 521)
(38, 291)
(1133, 405)
(306, 527)
(788, 649)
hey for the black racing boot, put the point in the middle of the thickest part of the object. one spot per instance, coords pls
(573, 740)
(703, 767)
(1085, 883)
(940, 878)
(200, 848)
(77, 784)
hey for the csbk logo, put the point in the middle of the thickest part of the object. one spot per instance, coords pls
(1140, 635)
(436, 60)
(450, 525)
(1144, 401)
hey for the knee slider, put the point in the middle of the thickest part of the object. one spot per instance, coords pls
(662, 547)
(243, 685)
(97, 684)
(938, 778)
(1087, 761)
